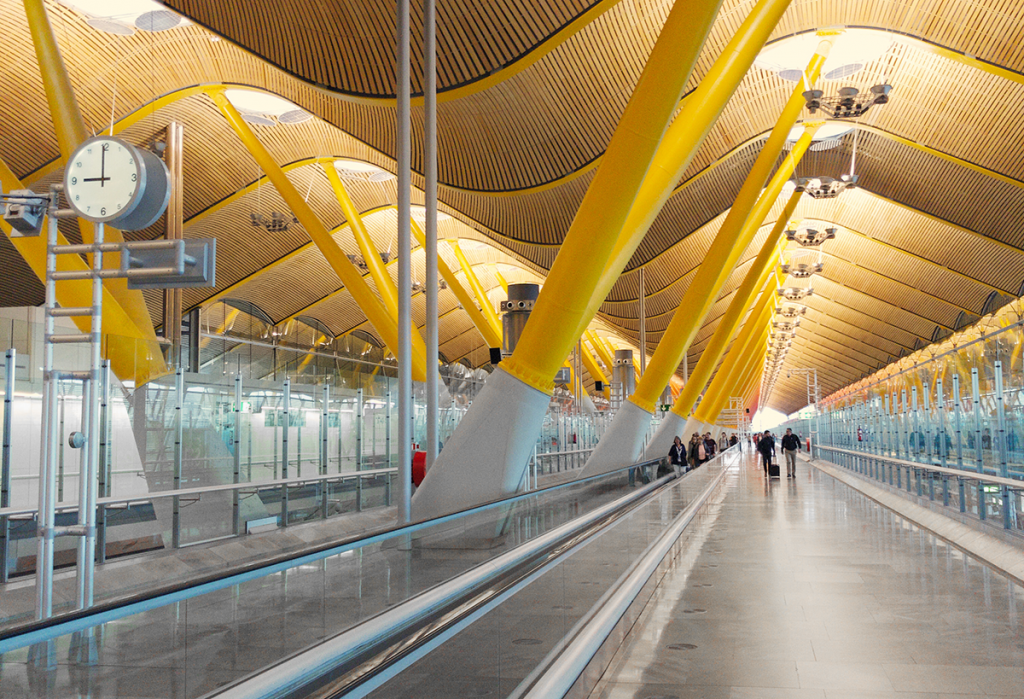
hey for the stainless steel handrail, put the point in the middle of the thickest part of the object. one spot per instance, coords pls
(1013, 483)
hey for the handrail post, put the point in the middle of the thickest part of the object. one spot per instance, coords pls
(5, 462)
(236, 511)
(285, 422)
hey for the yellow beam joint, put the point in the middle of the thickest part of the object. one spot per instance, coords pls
(684, 137)
(134, 356)
(486, 330)
(759, 279)
(375, 311)
(385, 284)
(561, 313)
(716, 267)
(474, 283)
(69, 128)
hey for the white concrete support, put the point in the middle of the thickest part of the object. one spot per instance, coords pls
(473, 470)
(622, 444)
(671, 426)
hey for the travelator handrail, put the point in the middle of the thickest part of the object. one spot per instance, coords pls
(350, 648)
(78, 620)
(562, 667)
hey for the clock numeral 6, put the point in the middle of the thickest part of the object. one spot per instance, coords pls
(103, 211)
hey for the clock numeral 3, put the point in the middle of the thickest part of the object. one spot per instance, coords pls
(134, 177)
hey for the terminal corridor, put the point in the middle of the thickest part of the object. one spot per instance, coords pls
(807, 589)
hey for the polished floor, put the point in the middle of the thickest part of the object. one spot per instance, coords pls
(805, 589)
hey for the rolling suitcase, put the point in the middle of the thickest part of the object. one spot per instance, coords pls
(773, 467)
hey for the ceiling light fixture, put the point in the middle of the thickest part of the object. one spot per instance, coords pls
(810, 237)
(849, 103)
(791, 293)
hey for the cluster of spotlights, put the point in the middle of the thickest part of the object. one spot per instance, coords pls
(849, 102)
(810, 237)
(827, 187)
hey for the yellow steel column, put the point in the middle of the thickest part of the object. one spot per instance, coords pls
(555, 323)
(703, 290)
(759, 274)
(601, 348)
(684, 137)
(474, 283)
(594, 369)
(378, 272)
(134, 356)
(749, 342)
(70, 131)
(485, 329)
(350, 277)
(501, 279)
(713, 404)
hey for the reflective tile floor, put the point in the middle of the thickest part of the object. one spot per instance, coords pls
(806, 589)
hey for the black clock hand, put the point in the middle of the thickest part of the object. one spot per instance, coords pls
(103, 169)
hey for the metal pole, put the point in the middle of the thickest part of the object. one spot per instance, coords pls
(179, 397)
(430, 200)
(285, 420)
(48, 436)
(643, 324)
(105, 477)
(5, 462)
(358, 449)
(404, 354)
(325, 403)
(236, 519)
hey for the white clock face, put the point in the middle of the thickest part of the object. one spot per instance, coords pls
(101, 181)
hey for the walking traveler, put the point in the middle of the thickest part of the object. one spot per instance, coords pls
(676, 457)
(790, 446)
(766, 447)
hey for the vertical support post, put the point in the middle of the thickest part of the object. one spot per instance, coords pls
(643, 323)
(236, 510)
(5, 462)
(430, 204)
(48, 441)
(404, 354)
(389, 462)
(286, 401)
(888, 426)
(174, 228)
(194, 331)
(976, 404)
(325, 403)
(915, 439)
(958, 426)
(358, 448)
(179, 401)
(1004, 492)
(105, 476)
(942, 438)
(928, 421)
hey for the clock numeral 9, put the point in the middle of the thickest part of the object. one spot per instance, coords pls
(74, 180)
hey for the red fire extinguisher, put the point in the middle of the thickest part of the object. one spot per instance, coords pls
(860, 435)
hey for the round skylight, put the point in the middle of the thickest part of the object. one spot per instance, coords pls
(851, 51)
(470, 244)
(261, 103)
(828, 136)
(361, 170)
(122, 17)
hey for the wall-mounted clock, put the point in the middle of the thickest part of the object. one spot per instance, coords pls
(110, 180)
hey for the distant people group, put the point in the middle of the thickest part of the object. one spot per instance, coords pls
(699, 450)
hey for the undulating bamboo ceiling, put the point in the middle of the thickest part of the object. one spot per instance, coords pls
(530, 94)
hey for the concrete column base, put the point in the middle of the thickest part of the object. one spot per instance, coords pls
(622, 443)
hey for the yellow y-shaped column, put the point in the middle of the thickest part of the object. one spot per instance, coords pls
(474, 283)
(69, 128)
(487, 455)
(486, 330)
(759, 279)
(595, 370)
(623, 440)
(133, 355)
(375, 311)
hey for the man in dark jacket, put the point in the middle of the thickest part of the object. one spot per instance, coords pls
(790, 446)
(766, 447)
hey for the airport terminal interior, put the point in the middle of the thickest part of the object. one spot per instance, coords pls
(621, 349)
